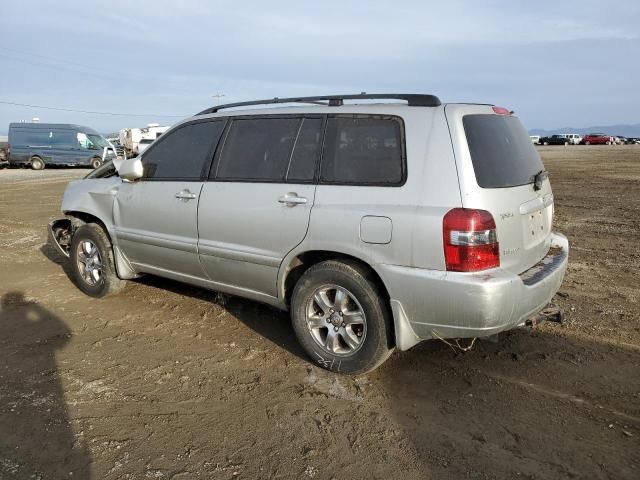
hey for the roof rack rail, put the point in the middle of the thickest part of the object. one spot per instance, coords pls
(413, 100)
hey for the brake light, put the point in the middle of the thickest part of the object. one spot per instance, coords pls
(502, 111)
(470, 240)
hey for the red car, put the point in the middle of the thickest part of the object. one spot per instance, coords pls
(596, 139)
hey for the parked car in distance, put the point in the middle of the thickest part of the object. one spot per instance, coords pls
(633, 140)
(596, 139)
(4, 154)
(40, 144)
(376, 225)
(574, 138)
(130, 137)
(117, 147)
(554, 140)
(535, 139)
(143, 144)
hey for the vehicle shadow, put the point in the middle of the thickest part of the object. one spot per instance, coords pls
(535, 404)
(266, 321)
(36, 437)
(50, 252)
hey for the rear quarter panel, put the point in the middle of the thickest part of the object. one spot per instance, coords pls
(520, 246)
(415, 209)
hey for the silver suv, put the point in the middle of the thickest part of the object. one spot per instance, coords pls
(377, 225)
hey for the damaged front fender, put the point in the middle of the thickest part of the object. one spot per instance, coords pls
(60, 233)
(85, 201)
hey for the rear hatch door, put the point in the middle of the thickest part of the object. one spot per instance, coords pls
(499, 170)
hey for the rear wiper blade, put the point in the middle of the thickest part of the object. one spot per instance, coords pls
(538, 179)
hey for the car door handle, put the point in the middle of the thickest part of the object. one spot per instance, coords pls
(292, 199)
(185, 195)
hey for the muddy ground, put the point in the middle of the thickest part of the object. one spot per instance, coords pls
(168, 381)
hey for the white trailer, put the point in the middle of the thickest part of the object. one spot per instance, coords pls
(130, 137)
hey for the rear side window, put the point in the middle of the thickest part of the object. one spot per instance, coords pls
(182, 153)
(363, 151)
(29, 137)
(258, 149)
(501, 151)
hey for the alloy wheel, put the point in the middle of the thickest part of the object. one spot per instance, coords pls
(336, 320)
(89, 262)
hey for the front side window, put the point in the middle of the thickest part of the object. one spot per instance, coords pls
(90, 142)
(363, 151)
(257, 149)
(182, 153)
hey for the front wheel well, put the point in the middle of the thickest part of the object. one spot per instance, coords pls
(80, 218)
(302, 262)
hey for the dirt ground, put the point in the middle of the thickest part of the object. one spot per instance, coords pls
(173, 382)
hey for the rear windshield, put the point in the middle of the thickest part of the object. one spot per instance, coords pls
(501, 151)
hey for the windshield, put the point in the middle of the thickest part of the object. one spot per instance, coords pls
(501, 151)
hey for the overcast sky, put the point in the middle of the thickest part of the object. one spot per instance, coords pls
(569, 63)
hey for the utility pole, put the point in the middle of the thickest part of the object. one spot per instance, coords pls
(218, 96)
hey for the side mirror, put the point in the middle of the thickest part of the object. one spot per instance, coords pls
(131, 169)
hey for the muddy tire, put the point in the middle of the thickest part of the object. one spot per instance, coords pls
(341, 318)
(96, 162)
(37, 163)
(92, 262)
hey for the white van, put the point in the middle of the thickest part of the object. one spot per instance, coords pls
(574, 138)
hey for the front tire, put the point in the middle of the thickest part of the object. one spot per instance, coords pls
(341, 318)
(96, 162)
(37, 163)
(92, 262)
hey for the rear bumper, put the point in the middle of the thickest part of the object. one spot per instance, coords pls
(430, 304)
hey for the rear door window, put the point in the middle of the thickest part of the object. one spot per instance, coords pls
(306, 151)
(363, 151)
(501, 151)
(257, 149)
(182, 153)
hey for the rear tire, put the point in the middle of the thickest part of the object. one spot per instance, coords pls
(37, 163)
(546, 143)
(92, 262)
(341, 317)
(96, 162)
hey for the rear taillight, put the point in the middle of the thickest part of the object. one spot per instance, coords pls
(470, 240)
